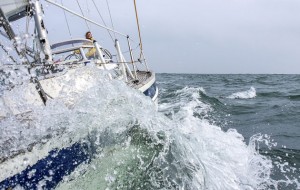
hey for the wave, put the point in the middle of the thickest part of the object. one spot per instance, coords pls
(135, 146)
(185, 99)
(248, 94)
(224, 158)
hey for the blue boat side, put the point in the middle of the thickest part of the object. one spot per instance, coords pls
(51, 169)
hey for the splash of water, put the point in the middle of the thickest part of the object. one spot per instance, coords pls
(137, 147)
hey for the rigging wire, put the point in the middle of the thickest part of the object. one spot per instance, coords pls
(112, 24)
(88, 20)
(67, 21)
(87, 24)
(102, 20)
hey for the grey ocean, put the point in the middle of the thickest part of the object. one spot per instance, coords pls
(264, 109)
(213, 132)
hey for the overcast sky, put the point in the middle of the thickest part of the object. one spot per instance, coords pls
(200, 36)
(222, 36)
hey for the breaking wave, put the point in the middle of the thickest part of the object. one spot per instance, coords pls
(248, 94)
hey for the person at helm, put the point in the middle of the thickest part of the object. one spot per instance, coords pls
(92, 51)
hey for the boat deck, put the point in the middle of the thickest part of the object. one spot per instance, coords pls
(143, 77)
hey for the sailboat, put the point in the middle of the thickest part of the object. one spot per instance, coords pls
(48, 66)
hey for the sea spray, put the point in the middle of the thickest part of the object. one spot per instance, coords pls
(136, 147)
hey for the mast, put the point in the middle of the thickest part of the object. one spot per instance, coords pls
(41, 30)
(12, 10)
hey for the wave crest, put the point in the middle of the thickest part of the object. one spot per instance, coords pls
(248, 94)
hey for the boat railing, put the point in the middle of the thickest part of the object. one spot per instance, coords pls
(70, 42)
(69, 50)
(76, 48)
(65, 50)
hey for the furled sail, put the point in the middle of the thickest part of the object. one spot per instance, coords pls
(14, 9)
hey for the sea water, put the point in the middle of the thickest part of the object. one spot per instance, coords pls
(209, 132)
(259, 111)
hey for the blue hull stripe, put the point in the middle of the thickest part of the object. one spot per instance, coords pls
(151, 91)
(51, 169)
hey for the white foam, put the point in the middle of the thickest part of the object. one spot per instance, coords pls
(188, 99)
(248, 94)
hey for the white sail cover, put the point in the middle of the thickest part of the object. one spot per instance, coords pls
(12, 8)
